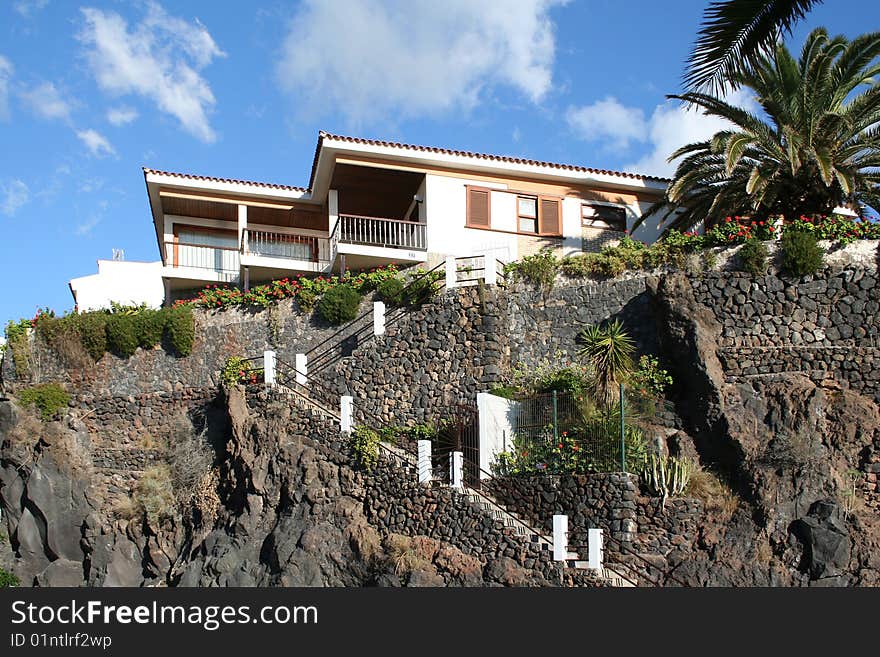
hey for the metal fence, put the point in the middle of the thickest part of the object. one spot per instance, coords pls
(560, 432)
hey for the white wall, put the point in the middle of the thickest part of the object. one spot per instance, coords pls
(445, 210)
(446, 207)
(496, 428)
(127, 283)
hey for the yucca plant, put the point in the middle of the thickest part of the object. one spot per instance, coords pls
(609, 350)
(814, 146)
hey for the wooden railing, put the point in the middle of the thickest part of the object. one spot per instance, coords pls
(377, 231)
(283, 245)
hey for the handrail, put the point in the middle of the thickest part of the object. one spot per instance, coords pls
(397, 221)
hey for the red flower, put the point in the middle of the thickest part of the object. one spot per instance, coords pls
(728, 220)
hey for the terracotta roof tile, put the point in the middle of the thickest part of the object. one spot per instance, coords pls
(484, 156)
(192, 176)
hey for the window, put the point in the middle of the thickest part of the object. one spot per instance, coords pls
(527, 214)
(605, 216)
(477, 207)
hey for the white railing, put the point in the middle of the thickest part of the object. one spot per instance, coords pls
(223, 260)
(376, 231)
(281, 245)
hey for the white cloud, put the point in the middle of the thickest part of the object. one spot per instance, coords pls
(46, 101)
(121, 115)
(673, 125)
(86, 227)
(607, 120)
(96, 142)
(5, 75)
(27, 7)
(158, 58)
(375, 59)
(12, 196)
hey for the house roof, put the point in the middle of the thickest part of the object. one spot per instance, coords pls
(469, 154)
(234, 181)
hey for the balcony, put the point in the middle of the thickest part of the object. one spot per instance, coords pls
(199, 262)
(364, 241)
(377, 232)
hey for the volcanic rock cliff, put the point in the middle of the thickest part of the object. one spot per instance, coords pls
(156, 476)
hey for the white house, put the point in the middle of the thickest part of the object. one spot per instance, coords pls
(370, 203)
(119, 281)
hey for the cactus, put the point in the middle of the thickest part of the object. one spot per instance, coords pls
(666, 476)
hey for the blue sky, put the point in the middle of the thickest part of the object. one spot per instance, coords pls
(91, 92)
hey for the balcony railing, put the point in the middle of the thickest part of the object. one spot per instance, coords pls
(225, 261)
(376, 231)
(281, 245)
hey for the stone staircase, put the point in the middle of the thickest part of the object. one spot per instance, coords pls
(539, 543)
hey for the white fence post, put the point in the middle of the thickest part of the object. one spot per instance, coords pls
(456, 464)
(560, 537)
(451, 272)
(346, 413)
(424, 462)
(302, 369)
(490, 268)
(378, 318)
(269, 368)
(594, 549)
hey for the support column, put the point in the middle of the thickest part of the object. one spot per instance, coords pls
(560, 537)
(167, 283)
(451, 272)
(424, 462)
(346, 413)
(595, 549)
(246, 278)
(378, 318)
(456, 470)
(490, 268)
(269, 367)
(242, 227)
(302, 369)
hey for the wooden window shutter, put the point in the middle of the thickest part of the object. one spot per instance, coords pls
(549, 216)
(477, 207)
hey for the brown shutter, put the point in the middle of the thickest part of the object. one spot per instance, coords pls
(477, 207)
(549, 221)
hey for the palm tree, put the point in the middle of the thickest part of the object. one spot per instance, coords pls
(734, 34)
(814, 146)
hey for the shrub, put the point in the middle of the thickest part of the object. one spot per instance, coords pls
(716, 496)
(181, 330)
(508, 392)
(580, 265)
(306, 299)
(649, 378)
(150, 327)
(539, 269)
(364, 443)
(753, 257)
(339, 305)
(391, 291)
(801, 254)
(49, 398)
(238, 370)
(154, 494)
(420, 289)
(93, 333)
(17, 343)
(8, 580)
(609, 350)
(122, 336)
(610, 265)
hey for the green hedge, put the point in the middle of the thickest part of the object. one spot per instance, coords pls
(181, 330)
(339, 305)
(753, 257)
